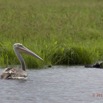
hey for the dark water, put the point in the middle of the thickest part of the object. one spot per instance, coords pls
(55, 85)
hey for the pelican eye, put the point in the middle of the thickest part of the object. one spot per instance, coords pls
(20, 45)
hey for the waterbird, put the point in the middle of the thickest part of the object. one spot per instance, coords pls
(18, 73)
(98, 64)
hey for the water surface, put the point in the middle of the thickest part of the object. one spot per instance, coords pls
(55, 85)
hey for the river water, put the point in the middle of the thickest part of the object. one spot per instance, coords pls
(59, 84)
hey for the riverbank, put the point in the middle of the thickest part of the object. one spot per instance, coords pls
(61, 32)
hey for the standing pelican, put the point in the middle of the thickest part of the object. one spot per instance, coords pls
(18, 73)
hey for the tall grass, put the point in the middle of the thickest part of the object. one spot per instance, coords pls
(62, 32)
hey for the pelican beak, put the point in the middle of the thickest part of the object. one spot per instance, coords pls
(26, 50)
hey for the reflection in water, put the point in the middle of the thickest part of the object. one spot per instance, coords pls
(55, 85)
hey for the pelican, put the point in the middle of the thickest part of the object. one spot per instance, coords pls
(18, 73)
(98, 64)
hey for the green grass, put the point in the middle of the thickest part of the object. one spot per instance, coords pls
(62, 32)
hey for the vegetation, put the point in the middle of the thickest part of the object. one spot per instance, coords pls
(62, 32)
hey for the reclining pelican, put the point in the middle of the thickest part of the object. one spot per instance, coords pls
(18, 73)
(98, 64)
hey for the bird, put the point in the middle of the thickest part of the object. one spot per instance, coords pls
(18, 73)
(98, 64)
